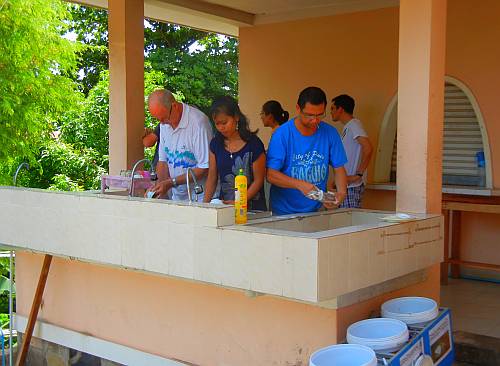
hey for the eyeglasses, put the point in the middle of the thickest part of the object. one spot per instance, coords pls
(310, 117)
(164, 118)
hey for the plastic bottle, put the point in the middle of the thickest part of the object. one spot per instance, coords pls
(240, 198)
(481, 166)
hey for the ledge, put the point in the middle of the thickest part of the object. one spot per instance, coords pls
(312, 258)
(472, 191)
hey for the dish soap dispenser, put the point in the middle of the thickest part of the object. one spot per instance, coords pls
(240, 198)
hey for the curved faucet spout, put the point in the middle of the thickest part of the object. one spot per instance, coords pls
(22, 165)
(198, 189)
(131, 191)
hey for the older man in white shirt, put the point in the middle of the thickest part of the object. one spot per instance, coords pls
(185, 135)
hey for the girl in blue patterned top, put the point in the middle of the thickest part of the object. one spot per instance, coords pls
(235, 147)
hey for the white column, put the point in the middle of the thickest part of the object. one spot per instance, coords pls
(126, 84)
(422, 43)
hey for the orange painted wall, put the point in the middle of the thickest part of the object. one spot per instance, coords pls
(354, 53)
(358, 54)
(480, 239)
(379, 200)
(473, 57)
(202, 324)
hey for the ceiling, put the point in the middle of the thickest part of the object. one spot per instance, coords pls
(263, 8)
(270, 11)
(226, 16)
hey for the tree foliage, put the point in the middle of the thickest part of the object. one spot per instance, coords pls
(90, 26)
(63, 130)
(196, 64)
(202, 74)
(86, 126)
(34, 63)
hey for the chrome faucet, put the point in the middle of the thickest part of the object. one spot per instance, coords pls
(22, 165)
(198, 189)
(151, 171)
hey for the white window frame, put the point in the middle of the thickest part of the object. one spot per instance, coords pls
(387, 135)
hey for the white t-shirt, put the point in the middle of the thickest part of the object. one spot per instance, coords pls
(186, 147)
(352, 130)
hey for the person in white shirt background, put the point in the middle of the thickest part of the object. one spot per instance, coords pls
(357, 146)
(185, 135)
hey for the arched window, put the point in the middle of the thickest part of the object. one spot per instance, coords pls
(465, 141)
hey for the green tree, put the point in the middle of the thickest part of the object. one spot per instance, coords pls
(34, 87)
(90, 25)
(204, 74)
(196, 64)
(86, 126)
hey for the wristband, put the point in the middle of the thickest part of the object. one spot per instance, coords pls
(359, 174)
(174, 182)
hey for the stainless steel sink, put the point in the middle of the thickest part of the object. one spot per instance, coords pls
(254, 215)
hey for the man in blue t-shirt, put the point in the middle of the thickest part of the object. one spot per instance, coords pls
(299, 154)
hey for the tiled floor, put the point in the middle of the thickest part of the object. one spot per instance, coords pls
(475, 306)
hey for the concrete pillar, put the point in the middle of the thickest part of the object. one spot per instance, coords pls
(126, 83)
(422, 41)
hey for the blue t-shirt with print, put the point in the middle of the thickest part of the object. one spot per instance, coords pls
(305, 158)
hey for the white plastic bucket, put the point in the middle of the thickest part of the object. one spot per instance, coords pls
(380, 334)
(344, 355)
(411, 310)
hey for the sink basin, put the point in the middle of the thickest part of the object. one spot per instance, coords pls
(318, 221)
(254, 215)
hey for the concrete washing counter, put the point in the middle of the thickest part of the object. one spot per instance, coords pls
(180, 275)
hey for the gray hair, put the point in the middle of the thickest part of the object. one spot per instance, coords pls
(161, 96)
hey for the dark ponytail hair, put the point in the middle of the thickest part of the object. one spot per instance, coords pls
(229, 106)
(274, 108)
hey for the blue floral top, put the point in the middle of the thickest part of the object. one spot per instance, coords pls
(229, 164)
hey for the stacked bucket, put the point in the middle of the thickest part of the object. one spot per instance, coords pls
(382, 335)
(411, 310)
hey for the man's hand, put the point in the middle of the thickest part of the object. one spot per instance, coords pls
(305, 187)
(160, 189)
(340, 196)
(330, 204)
(353, 179)
(147, 131)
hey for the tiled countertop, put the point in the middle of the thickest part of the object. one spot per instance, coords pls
(314, 258)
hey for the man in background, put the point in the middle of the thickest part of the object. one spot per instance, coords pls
(357, 146)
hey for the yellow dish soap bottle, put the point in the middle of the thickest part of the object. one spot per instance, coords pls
(240, 198)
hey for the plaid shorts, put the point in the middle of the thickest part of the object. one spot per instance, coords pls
(353, 198)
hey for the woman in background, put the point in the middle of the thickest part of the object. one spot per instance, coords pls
(235, 147)
(273, 115)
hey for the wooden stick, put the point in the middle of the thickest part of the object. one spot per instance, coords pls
(37, 300)
(471, 207)
(494, 267)
(446, 255)
(456, 223)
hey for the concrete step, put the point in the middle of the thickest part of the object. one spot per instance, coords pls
(475, 349)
